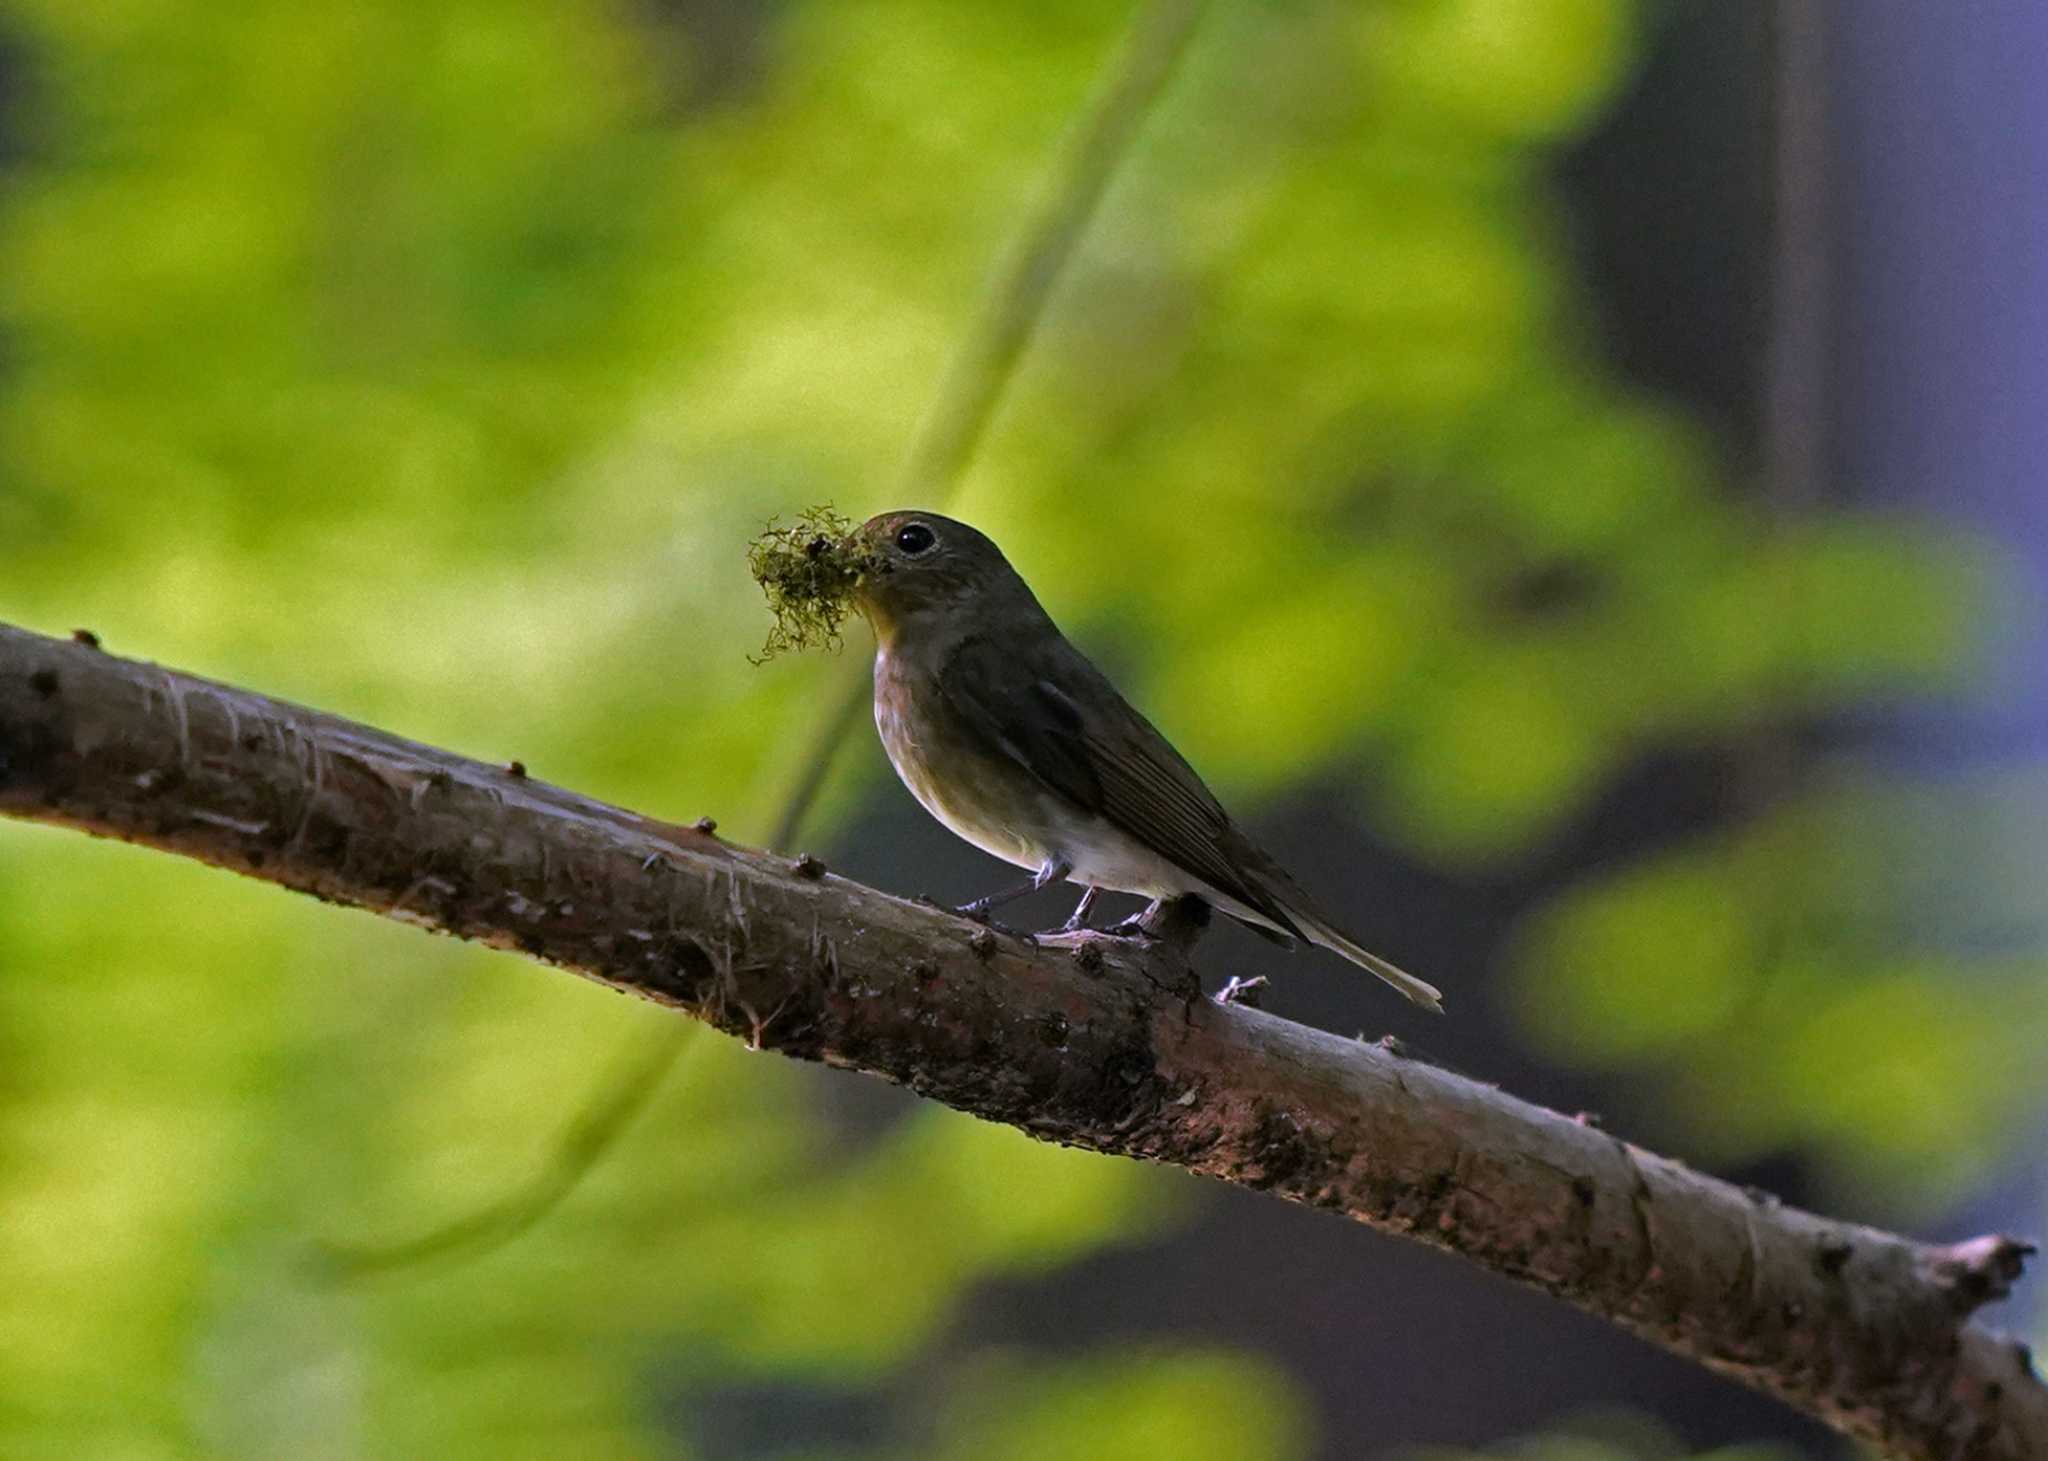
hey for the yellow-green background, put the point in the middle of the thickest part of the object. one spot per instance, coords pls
(433, 360)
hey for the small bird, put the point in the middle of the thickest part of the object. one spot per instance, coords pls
(1016, 742)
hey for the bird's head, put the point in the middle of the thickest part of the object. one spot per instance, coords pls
(922, 569)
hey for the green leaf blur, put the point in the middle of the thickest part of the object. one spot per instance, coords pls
(432, 361)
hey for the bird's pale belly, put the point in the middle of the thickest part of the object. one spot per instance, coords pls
(996, 805)
(985, 802)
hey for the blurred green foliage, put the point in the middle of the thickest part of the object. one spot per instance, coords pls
(1848, 975)
(433, 360)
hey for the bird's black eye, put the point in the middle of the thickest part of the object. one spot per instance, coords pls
(915, 538)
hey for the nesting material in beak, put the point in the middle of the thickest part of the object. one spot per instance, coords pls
(809, 570)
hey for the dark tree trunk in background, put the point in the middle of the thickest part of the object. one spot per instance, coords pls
(1940, 191)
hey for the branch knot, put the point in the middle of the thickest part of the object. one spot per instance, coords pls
(1976, 1272)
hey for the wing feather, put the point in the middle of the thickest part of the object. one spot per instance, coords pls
(1059, 718)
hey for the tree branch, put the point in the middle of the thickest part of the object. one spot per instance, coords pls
(1092, 1042)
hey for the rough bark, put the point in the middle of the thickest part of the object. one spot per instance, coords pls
(1092, 1042)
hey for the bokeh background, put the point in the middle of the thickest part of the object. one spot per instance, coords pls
(1565, 469)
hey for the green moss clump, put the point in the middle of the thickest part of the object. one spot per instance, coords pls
(808, 574)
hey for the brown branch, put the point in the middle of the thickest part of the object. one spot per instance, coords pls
(1093, 1042)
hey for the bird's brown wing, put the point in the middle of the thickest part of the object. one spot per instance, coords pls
(1056, 715)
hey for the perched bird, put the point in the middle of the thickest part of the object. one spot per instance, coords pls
(1015, 741)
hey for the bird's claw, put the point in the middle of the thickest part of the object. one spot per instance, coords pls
(1242, 991)
(977, 912)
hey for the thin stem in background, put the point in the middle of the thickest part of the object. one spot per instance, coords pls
(577, 1149)
(952, 431)
(1012, 309)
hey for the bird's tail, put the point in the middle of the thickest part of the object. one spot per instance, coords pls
(1427, 995)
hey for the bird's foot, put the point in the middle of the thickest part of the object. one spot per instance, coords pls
(1242, 991)
(1077, 921)
(977, 912)
(1136, 926)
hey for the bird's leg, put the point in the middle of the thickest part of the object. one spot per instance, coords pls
(1078, 919)
(980, 908)
(1139, 925)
